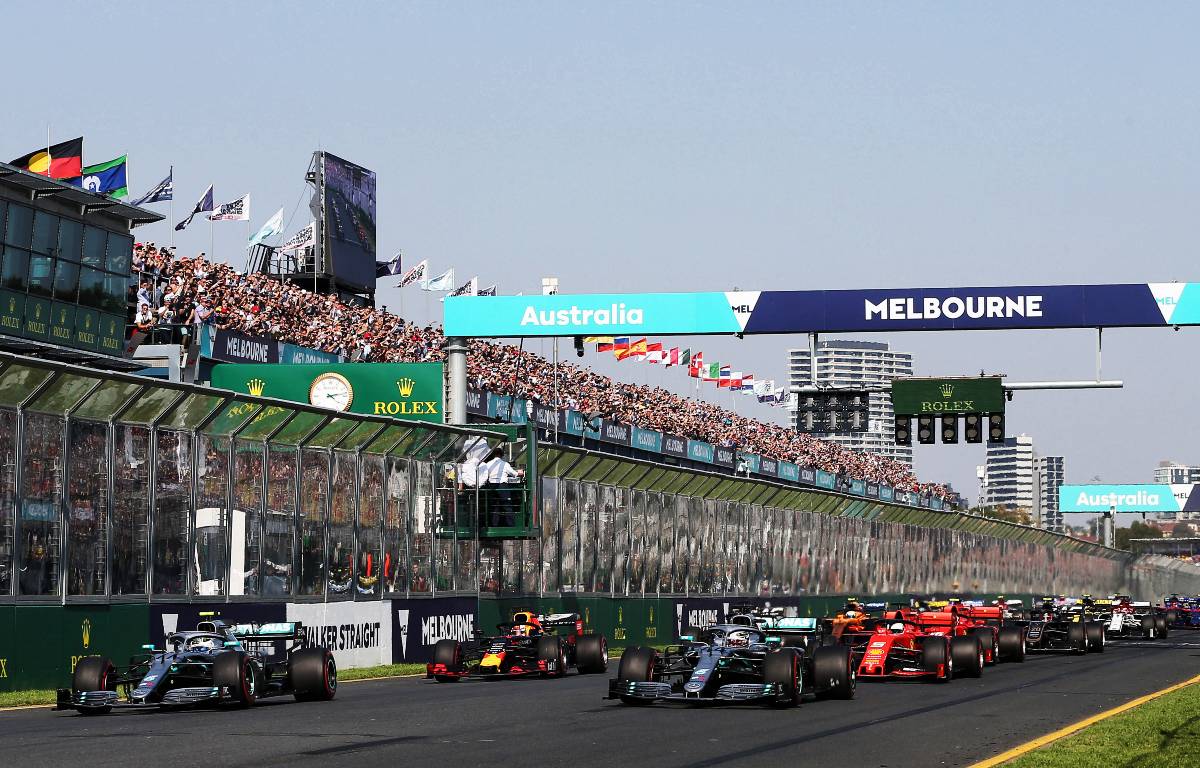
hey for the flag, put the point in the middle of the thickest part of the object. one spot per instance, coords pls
(597, 339)
(489, 291)
(469, 288)
(302, 239)
(635, 349)
(273, 227)
(620, 344)
(654, 353)
(104, 178)
(414, 274)
(711, 372)
(442, 282)
(672, 357)
(747, 383)
(606, 346)
(163, 190)
(696, 365)
(724, 376)
(685, 358)
(764, 387)
(60, 161)
(385, 268)
(234, 210)
(205, 203)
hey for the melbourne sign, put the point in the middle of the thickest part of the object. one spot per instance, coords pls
(762, 312)
(924, 397)
(1129, 498)
(403, 390)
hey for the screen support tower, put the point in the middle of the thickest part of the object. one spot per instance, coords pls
(309, 267)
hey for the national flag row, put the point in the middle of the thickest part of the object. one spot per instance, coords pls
(64, 161)
(720, 374)
(419, 275)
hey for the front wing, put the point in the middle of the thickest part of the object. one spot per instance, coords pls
(729, 693)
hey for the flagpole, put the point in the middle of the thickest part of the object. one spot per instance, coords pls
(172, 207)
(212, 254)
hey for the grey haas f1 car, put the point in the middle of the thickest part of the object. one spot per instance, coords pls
(758, 659)
(216, 664)
(1055, 625)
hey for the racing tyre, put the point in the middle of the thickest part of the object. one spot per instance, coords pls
(637, 664)
(833, 673)
(782, 667)
(550, 650)
(987, 639)
(1147, 627)
(94, 673)
(313, 674)
(1012, 644)
(1077, 638)
(1095, 637)
(449, 654)
(967, 653)
(1160, 625)
(591, 654)
(935, 655)
(235, 671)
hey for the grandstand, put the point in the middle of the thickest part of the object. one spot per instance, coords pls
(191, 290)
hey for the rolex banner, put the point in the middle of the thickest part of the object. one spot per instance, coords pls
(403, 390)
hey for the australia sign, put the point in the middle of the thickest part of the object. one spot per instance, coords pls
(887, 309)
(1129, 498)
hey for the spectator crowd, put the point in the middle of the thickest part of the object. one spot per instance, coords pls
(196, 290)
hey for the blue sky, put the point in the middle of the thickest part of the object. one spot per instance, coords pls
(695, 146)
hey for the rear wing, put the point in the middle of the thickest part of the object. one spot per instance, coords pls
(792, 625)
(559, 619)
(278, 630)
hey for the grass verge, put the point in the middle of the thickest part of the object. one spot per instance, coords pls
(25, 698)
(1161, 732)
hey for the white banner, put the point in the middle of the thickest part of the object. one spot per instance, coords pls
(302, 239)
(359, 634)
(236, 210)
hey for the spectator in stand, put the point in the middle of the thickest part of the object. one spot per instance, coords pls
(209, 292)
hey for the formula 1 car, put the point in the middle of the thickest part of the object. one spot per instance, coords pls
(1125, 618)
(530, 644)
(899, 647)
(955, 618)
(215, 664)
(1182, 612)
(1063, 624)
(758, 659)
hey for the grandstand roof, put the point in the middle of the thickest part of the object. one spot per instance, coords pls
(44, 186)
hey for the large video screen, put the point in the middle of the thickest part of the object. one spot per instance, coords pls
(349, 221)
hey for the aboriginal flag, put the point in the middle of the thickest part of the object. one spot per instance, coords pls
(62, 161)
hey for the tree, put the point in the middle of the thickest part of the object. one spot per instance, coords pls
(1005, 513)
(1183, 531)
(1137, 530)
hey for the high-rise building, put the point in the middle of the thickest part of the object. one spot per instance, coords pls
(1008, 476)
(1049, 472)
(855, 364)
(1173, 473)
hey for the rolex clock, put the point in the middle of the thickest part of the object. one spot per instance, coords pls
(331, 390)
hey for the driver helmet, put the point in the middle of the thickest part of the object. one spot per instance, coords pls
(897, 628)
(203, 642)
(523, 630)
(851, 614)
(737, 639)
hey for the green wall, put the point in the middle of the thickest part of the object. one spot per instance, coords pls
(39, 644)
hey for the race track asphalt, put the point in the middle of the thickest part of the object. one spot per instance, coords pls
(566, 722)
